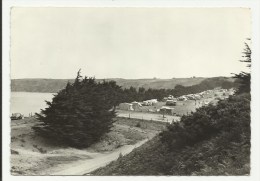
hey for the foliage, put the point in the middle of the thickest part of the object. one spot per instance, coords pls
(244, 78)
(80, 113)
(209, 120)
(214, 140)
(132, 94)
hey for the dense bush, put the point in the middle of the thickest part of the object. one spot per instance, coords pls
(80, 113)
(215, 140)
(232, 115)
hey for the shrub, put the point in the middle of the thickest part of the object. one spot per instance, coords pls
(232, 115)
(138, 125)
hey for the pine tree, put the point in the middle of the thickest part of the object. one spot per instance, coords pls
(80, 113)
(244, 78)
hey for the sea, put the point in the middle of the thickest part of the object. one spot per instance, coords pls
(28, 103)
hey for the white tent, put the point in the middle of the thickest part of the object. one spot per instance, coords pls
(171, 102)
(136, 106)
(167, 110)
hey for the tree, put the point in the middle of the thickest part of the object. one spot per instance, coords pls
(80, 113)
(244, 78)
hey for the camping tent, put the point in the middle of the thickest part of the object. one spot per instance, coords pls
(171, 103)
(167, 110)
(150, 102)
(182, 98)
(136, 106)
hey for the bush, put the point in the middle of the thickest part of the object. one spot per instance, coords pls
(232, 115)
(215, 140)
(138, 125)
(80, 113)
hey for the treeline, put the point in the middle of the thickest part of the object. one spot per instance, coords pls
(141, 94)
(55, 85)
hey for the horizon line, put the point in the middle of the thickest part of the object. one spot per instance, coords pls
(155, 78)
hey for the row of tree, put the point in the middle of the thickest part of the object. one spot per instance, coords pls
(141, 94)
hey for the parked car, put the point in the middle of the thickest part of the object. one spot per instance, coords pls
(16, 116)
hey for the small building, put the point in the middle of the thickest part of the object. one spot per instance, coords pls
(126, 106)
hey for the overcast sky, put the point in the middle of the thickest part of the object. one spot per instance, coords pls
(128, 42)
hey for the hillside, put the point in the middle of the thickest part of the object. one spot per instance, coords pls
(215, 140)
(54, 85)
(158, 83)
(38, 85)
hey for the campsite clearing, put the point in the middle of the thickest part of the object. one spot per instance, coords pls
(181, 107)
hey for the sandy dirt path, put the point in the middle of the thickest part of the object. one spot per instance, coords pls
(97, 161)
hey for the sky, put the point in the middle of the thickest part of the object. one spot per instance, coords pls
(130, 43)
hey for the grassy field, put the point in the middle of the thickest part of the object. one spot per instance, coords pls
(142, 124)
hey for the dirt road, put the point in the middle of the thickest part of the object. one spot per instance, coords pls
(97, 161)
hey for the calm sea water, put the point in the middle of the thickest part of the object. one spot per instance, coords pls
(29, 102)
